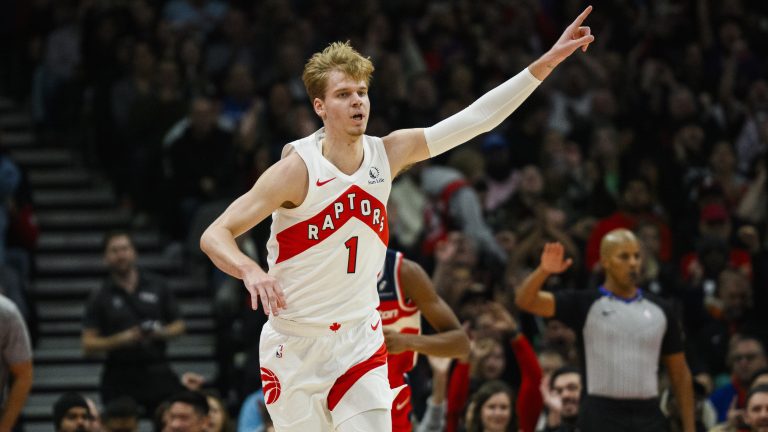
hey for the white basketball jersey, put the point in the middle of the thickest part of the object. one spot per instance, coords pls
(326, 253)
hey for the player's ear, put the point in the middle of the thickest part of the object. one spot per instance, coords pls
(319, 106)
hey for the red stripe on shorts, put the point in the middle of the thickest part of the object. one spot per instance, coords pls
(345, 382)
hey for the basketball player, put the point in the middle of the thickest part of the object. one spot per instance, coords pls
(322, 351)
(406, 292)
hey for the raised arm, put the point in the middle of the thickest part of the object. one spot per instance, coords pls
(450, 340)
(406, 147)
(529, 296)
(270, 192)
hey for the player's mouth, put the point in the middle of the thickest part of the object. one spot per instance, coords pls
(358, 117)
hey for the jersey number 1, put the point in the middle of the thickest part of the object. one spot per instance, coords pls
(351, 245)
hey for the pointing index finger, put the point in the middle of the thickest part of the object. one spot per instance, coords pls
(580, 19)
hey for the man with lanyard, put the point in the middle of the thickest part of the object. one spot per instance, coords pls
(623, 333)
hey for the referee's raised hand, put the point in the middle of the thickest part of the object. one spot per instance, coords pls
(552, 259)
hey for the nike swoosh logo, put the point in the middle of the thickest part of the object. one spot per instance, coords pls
(401, 405)
(375, 327)
(320, 183)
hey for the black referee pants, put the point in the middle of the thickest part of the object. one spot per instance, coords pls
(601, 414)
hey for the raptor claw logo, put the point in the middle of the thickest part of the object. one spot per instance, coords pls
(271, 386)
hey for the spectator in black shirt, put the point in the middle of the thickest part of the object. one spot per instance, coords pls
(130, 318)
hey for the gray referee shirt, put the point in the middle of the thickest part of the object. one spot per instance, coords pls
(622, 340)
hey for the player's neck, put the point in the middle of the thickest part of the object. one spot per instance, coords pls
(345, 152)
(619, 290)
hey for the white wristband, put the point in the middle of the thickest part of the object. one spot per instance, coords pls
(483, 115)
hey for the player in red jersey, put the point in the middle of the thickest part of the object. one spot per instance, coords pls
(406, 292)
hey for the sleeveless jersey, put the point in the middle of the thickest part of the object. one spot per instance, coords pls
(397, 313)
(327, 252)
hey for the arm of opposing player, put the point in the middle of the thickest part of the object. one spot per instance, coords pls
(270, 192)
(682, 386)
(451, 339)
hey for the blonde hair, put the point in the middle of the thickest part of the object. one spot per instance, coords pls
(338, 56)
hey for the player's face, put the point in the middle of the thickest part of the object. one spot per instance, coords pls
(496, 412)
(346, 105)
(623, 263)
(757, 412)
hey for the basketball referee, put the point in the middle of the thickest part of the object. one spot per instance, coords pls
(624, 332)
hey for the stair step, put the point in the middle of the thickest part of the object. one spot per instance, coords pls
(40, 406)
(15, 120)
(17, 139)
(74, 310)
(44, 178)
(74, 328)
(91, 241)
(83, 219)
(93, 264)
(6, 104)
(43, 424)
(86, 377)
(74, 198)
(81, 288)
(68, 350)
(43, 157)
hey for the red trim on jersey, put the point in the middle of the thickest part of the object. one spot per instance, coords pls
(401, 418)
(345, 382)
(296, 239)
(406, 304)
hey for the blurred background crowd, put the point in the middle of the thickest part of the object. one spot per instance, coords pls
(660, 128)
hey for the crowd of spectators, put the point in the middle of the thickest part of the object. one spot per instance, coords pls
(661, 128)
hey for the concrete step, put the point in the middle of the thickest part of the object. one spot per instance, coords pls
(73, 327)
(100, 197)
(15, 120)
(86, 377)
(43, 424)
(50, 220)
(59, 178)
(43, 157)
(73, 310)
(18, 139)
(6, 104)
(93, 264)
(55, 350)
(81, 288)
(91, 241)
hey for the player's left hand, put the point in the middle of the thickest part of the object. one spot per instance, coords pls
(396, 342)
(574, 37)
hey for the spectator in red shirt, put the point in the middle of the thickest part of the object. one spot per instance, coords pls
(637, 205)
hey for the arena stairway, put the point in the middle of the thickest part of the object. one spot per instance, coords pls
(74, 208)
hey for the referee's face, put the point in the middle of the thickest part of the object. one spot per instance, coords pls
(622, 265)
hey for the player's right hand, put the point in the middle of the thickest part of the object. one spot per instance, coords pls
(268, 289)
(552, 258)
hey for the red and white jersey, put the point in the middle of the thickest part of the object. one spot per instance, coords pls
(398, 313)
(327, 252)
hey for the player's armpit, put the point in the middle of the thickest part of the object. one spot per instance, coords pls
(404, 148)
